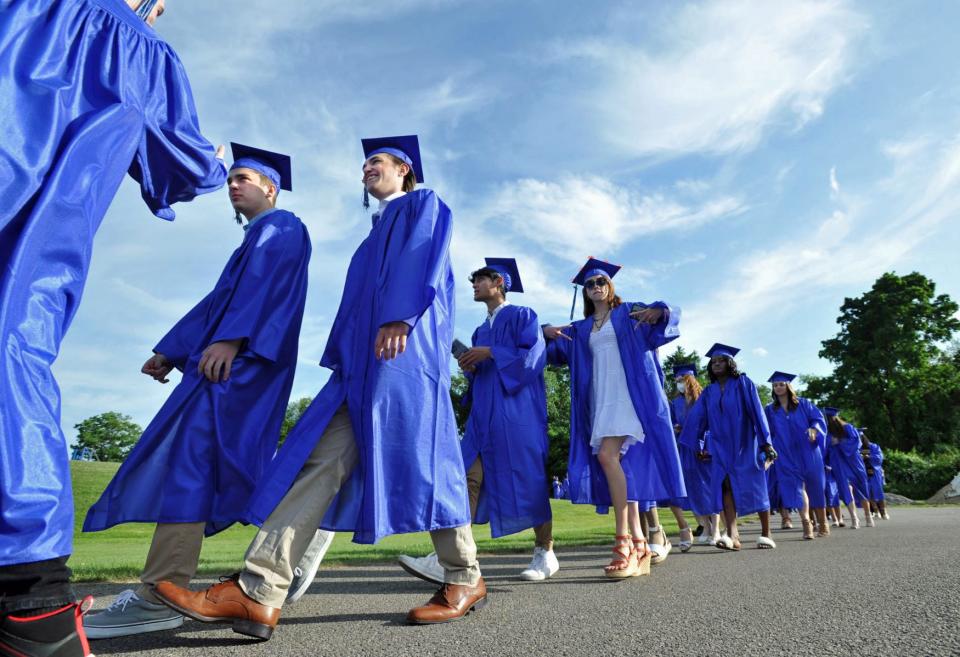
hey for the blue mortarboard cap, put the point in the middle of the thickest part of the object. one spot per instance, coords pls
(406, 147)
(830, 411)
(274, 166)
(683, 370)
(722, 350)
(507, 267)
(593, 268)
(779, 376)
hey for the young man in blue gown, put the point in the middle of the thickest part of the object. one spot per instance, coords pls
(195, 467)
(505, 444)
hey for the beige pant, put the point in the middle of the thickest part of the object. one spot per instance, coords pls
(173, 556)
(284, 537)
(543, 533)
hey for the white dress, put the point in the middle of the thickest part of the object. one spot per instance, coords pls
(613, 412)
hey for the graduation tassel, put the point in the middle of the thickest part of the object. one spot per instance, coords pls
(143, 11)
(238, 218)
(366, 198)
(574, 305)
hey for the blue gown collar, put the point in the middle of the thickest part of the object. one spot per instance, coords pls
(258, 217)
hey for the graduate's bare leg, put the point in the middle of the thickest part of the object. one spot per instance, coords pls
(730, 514)
(805, 509)
(824, 526)
(712, 522)
(764, 522)
(609, 458)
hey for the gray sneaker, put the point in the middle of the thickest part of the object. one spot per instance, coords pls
(306, 570)
(130, 614)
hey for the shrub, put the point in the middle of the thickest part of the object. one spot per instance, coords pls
(918, 476)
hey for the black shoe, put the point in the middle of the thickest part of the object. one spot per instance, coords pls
(57, 633)
(698, 530)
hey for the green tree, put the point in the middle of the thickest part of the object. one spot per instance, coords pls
(557, 380)
(894, 371)
(682, 357)
(292, 415)
(110, 435)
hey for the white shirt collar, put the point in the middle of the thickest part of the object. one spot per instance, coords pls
(385, 201)
(492, 314)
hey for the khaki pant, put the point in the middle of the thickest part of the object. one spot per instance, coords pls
(284, 537)
(173, 556)
(543, 533)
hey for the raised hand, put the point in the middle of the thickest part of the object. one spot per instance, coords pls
(647, 315)
(554, 332)
(221, 151)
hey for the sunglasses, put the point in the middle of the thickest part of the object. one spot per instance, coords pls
(595, 282)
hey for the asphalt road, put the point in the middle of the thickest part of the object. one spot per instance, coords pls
(891, 590)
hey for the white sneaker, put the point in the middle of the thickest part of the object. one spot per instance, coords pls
(306, 570)
(870, 522)
(704, 539)
(886, 515)
(427, 568)
(854, 521)
(130, 614)
(544, 565)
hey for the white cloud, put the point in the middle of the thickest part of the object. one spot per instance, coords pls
(715, 76)
(904, 211)
(760, 351)
(834, 184)
(579, 216)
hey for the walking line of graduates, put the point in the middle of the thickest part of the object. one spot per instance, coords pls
(377, 452)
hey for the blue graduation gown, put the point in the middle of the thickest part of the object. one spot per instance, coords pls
(652, 468)
(696, 473)
(678, 411)
(90, 92)
(875, 481)
(410, 475)
(507, 427)
(200, 457)
(799, 465)
(847, 464)
(738, 428)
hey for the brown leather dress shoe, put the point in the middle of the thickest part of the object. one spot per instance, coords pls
(451, 602)
(222, 603)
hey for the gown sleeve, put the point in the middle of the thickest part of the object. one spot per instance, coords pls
(521, 363)
(815, 420)
(558, 351)
(694, 426)
(415, 261)
(181, 340)
(752, 401)
(173, 162)
(269, 293)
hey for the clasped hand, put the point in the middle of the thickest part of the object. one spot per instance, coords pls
(217, 359)
(157, 367)
(472, 357)
(391, 340)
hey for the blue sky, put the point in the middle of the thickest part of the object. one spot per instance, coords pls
(751, 162)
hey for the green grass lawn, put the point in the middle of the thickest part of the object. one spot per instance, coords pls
(117, 554)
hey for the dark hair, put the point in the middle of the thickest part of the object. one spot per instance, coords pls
(731, 368)
(612, 299)
(835, 426)
(792, 400)
(409, 180)
(492, 274)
